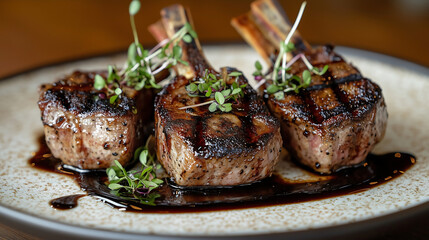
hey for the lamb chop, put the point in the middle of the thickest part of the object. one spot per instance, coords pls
(334, 122)
(83, 129)
(198, 147)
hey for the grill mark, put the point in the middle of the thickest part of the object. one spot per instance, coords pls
(197, 128)
(311, 106)
(318, 115)
(75, 93)
(342, 97)
(335, 81)
(318, 87)
(349, 78)
(344, 105)
(248, 129)
(199, 133)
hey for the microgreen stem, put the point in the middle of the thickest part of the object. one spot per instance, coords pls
(288, 82)
(163, 66)
(137, 65)
(197, 105)
(307, 63)
(295, 25)
(159, 45)
(133, 27)
(178, 35)
(294, 59)
(260, 83)
(282, 54)
(139, 70)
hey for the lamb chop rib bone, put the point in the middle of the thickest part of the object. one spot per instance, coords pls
(198, 147)
(265, 26)
(173, 19)
(337, 120)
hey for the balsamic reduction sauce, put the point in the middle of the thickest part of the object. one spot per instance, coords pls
(66, 202)
(271, 191)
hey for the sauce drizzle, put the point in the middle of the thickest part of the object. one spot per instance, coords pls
(271, 191)
(66, 202)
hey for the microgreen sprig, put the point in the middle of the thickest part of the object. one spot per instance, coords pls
(287, 81)
(136, 184)
(210, 86)
(142, 65)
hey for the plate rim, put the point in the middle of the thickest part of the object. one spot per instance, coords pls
(33, 225)
(29, 223)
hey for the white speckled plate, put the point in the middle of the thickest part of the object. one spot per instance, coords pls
(25, 192)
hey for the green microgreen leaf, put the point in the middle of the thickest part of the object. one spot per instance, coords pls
(210, 86)
(282, 81)
(110, 70)
(191, 30)
(213, 107)
(113, 98)
(141, 66)
(236, 91)
(226, 92)
(279, 95)
(258, 66)
(115, 186)
(157, 181)
(222, 107)
(132, 53)
(118, 91)
(228, 107)
(192, 87)
(177, 52)
(316, 70)
(126, 184)
(111, 174)
(306, 76)
(187, 38)
(143, 157)
(134, 7)
(324, 70)
(99, 82)
(235, 74)
(202, 86)
(272, 89)
(212, 76)
(290, 47)
(209, 92)
(219, 98)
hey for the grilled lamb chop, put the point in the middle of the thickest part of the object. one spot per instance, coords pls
(198, 147)
(88, 132)
(337, 120)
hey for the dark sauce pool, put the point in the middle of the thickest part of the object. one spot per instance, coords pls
(66, 202)
(271, 191)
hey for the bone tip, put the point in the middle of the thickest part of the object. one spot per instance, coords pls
(172, 8)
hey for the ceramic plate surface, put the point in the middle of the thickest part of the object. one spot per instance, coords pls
(25, 191)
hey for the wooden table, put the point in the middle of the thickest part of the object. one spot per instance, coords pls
(37, 33)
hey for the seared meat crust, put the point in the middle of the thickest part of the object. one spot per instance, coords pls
(198, 147)
(84, 130)
(337, 120)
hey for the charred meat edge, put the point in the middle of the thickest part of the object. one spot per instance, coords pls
(338, 119)
(198, 147)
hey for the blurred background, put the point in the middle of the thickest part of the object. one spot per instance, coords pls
(39, 33)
